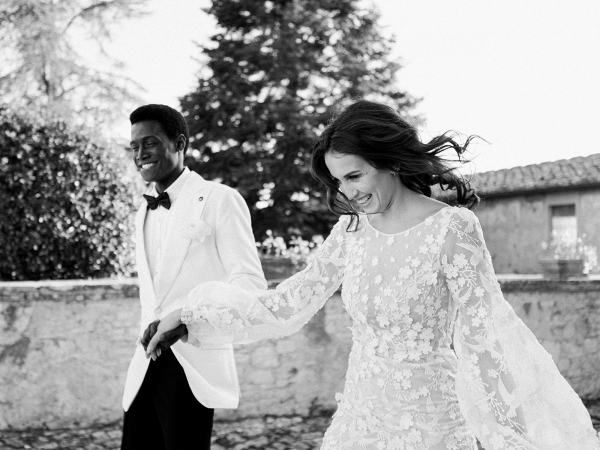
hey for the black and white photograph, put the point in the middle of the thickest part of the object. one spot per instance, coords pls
(299, 225)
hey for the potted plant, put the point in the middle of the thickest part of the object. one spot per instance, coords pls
(565, 257)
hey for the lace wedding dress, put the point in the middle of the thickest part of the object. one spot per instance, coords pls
(438, 357)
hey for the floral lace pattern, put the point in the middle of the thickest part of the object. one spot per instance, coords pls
(438, 358)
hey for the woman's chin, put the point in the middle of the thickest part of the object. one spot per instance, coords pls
(369, 208)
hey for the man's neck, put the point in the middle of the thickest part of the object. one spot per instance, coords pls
(162, 186)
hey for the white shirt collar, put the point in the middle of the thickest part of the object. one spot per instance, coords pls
(176, 186)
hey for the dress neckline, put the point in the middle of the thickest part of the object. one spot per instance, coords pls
(431, 216)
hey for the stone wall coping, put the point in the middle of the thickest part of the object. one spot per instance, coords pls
(69, 284)
(127, 287)
(534, 282)
(70, 291)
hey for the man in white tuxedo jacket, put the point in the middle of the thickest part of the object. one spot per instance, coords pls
(188, 231)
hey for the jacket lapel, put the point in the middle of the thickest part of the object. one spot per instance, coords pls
(188, 206)
(144, 276)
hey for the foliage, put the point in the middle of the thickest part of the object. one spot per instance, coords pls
(562, 246)
(51, 52)
(274, 73)
(297, 249)
(280, 260)
(66, 204)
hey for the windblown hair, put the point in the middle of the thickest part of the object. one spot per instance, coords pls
(171, 120)
(377, 133)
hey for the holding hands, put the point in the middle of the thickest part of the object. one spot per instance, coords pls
(161, 334)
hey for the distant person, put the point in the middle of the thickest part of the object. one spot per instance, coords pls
(439, 358)
(189, 231)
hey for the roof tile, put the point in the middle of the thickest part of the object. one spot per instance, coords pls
(578, 171)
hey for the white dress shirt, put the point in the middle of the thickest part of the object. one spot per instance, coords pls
(156, 222)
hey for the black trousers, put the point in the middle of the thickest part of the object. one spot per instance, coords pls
(165, 415)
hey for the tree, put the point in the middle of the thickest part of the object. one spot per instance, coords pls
(274, 73)
(44, 67)
(66, 204)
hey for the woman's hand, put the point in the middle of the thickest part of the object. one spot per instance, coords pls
(169, 330)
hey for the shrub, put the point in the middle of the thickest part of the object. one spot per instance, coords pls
(66, 204)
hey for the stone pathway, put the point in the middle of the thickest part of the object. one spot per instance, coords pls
(273, 433)
(267, 433)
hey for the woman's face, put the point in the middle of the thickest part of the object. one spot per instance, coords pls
(370, 190)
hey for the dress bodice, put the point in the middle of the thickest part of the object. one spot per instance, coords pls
(395, 293)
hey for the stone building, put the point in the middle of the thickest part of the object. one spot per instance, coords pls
(521, 207)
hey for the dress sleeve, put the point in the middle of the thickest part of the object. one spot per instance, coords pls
(218, 313)
(509, 389)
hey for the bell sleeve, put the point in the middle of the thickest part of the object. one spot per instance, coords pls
(218, 313)
(509, 389)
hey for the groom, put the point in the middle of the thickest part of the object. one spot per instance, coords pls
(188, 231)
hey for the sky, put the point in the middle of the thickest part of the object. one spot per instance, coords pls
(524, 75)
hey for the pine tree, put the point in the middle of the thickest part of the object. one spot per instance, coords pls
(275, 72)
(46, 72)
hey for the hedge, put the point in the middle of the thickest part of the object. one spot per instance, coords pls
(66, 204)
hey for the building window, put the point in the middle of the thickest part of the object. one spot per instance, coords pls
(563, 222)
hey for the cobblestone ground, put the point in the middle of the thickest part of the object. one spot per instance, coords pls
(268, 433)
(276, 433)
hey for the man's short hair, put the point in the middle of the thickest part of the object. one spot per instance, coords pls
(171, 120)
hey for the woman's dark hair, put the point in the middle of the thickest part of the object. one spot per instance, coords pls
(171, 120)
(378, 134)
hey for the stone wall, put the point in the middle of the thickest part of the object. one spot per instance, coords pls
(565, 317)
(515, 227)
(65, 346)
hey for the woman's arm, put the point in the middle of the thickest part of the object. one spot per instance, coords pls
(218, 313)
(509, 389)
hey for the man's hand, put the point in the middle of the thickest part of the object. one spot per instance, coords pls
(170, 337)
(150, 331)
(169, 330)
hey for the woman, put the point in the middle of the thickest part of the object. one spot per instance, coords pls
(438, 357)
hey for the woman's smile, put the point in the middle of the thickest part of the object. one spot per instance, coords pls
(364, 200)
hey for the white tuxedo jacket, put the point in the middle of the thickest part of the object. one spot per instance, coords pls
(209, 238)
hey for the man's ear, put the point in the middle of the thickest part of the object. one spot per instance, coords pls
(180, 145)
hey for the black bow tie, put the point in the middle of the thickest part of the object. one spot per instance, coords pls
(162, 200)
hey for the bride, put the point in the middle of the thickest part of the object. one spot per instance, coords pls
(439, 358)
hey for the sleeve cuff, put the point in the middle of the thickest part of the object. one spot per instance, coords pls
(188, 315)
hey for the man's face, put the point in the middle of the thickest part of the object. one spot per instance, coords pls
(154, 154)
